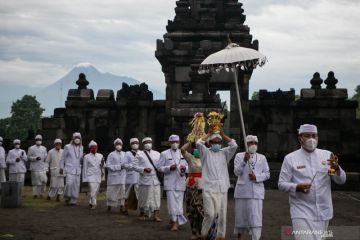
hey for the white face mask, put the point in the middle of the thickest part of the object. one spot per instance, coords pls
(38, 142)
(118, 148)
(135, 146)
(17, 146)
(147, 146)
(252, 149)
(310, 144)
(77, 141)
(174, 146)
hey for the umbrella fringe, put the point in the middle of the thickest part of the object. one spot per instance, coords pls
(243, 65)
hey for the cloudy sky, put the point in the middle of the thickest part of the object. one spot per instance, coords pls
(41, 40)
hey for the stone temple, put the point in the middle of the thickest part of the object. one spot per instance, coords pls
(200, 28)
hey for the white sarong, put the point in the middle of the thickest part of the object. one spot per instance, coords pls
(38, 181)
(128, 189)
(93, 191)
(175, 201)
(56, 186)
(72, 188)
(248, 217)
(17, 177)
(149, 198)
(215, 205)
(305, 229)
(115, 194)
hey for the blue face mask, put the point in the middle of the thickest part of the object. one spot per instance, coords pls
(215, 147)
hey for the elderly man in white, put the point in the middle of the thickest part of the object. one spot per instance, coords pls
(16, 159)
(215, 179)
(56, 180)
(132, 177)
(149, 185)
(174, 167)
(93, 163)
(116, 165)
(70, 165)
(252, 170)
(306, 174)
(2, 163)
(38, 166)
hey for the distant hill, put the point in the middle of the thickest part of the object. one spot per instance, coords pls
(54, 95)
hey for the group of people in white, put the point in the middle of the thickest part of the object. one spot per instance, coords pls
(198, 170)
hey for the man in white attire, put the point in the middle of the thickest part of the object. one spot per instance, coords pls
(149, 185)
(174, 167)
(116, 165)
(70, 165)
(37, 156)
(56, 188)
(16, 159)
(93, 163)
(252, 170)
(132, 177)
(306, 174)
(2, 163)
(215, 179)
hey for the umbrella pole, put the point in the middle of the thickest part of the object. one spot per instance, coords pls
(240, 109)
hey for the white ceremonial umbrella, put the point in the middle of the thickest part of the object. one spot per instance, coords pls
(230, 59)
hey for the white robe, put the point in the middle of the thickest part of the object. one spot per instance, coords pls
(2, 166)
(249, 194)
(215, 184)
(116, 165)
(174, 183)
(56, 180)
(314, 207)
(149, 197)
(92, 174)
(17, 170)
(71, 163)
(38, 168)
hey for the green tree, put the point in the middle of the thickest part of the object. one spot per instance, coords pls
(25, 117)
(255, 95)
(357, 98)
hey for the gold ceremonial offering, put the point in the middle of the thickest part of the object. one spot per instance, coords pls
(331, 171)
(198, 127)
(215, 121)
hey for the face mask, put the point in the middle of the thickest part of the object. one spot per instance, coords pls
(17, 146)
(135, 146)
(38, 142)
(147, 146)
(310, 144)
(118, 148)
(77, 141)
(93, 149)
(196, 153)
(252, 149)
(215, 147)
(174, 146)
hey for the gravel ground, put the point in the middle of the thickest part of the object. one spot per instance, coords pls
(42, 219)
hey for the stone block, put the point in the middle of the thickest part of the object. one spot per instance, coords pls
(105, 95)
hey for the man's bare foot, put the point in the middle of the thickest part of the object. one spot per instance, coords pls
(174, 227)
(157, 217)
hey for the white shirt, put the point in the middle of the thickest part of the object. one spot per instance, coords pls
(246, 188)
(53, 160)
(215, 174)
(2, 158)
(172, 179)
(16, 167)
(132, 177)
(34, 152)
(141, 162)
(301, 166)
(116, 165)
(71, 159)
(92, 167)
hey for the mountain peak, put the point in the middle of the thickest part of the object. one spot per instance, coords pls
(84, 65)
